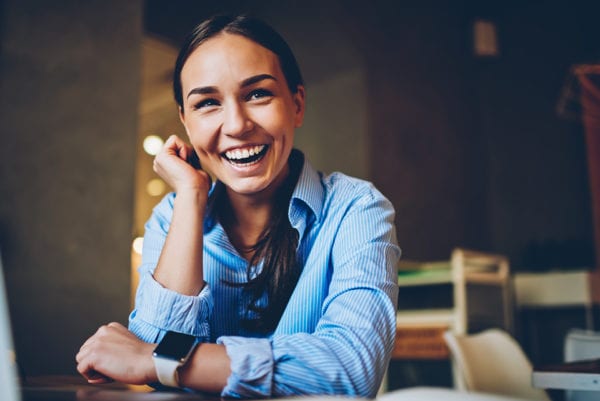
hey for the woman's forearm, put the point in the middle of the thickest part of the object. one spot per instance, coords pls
(207, 369)
(180, 264)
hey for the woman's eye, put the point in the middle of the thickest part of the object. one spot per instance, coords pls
(205, 103)
(259, 94)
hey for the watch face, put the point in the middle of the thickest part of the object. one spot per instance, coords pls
(175, 346)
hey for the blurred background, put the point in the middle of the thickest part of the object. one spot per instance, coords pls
(458, 111)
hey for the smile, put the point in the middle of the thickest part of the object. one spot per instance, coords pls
(246, 156)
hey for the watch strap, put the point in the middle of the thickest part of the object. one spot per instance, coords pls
(166, 370)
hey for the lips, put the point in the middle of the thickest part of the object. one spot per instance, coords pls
(245, 156)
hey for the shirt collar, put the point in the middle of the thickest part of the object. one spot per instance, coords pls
(309, 190)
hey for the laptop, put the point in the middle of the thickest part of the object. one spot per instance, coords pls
(9, 385)
(11, 389)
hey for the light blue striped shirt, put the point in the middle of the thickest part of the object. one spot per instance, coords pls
(337, 331)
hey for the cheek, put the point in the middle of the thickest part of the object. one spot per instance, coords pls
(279, 123)
(200, 133)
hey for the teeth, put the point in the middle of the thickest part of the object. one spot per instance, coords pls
(238, 154)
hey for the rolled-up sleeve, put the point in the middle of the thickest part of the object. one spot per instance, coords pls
(159, 309)
(251, 367)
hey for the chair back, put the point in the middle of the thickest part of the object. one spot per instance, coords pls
(493, 362)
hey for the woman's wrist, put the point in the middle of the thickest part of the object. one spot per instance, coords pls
(192, 196)
(151, 376)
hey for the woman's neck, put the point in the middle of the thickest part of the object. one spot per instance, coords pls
(244, 221)
(246, 217)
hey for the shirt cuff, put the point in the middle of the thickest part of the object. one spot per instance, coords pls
(170, 310)
(251, 367)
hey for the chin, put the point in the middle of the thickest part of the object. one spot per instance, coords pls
(247, 188)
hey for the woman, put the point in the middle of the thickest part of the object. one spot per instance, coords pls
(285, 277)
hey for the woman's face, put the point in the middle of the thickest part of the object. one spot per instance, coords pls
(239, 113)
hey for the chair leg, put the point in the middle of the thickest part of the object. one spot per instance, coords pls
(457, 378)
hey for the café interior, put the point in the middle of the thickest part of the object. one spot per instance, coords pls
(480, 121)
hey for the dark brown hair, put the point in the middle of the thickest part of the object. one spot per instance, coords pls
(276, 248)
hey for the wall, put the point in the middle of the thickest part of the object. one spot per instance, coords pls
(68, 106)
(426, 153)
(538, 191)
(472, 151)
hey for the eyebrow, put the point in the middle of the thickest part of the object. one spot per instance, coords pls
(257, 78)
(206, 90)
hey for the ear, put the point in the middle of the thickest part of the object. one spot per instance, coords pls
(299, 102)
(181, 115)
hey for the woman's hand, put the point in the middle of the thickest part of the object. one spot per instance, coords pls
(114, 353)
(179, 267)
(172, 164)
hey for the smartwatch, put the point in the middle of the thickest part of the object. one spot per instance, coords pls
(170, 354)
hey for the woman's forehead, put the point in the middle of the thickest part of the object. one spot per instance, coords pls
(229, 56)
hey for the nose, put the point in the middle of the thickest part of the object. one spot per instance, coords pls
(236, 121)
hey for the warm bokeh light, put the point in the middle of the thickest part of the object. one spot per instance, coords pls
(137, 245)
(156, 187)
(153, 144)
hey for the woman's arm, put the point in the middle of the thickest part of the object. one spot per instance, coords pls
(180, 264)
(114, 353)
(171, 294)
(157, 308)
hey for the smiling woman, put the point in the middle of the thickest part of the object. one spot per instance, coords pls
(283, 278)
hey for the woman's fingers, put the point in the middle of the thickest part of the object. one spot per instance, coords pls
(173, 164)
(175, 146)
(114, 353)
(97, 378)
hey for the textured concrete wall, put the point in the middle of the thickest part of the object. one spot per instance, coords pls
(68, 106)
